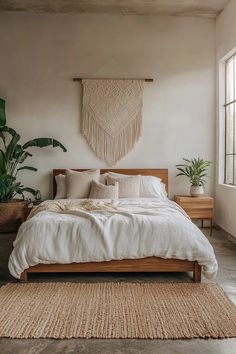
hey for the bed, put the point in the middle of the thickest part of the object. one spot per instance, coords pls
(147, 263)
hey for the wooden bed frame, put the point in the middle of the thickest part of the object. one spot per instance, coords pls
(149, 264)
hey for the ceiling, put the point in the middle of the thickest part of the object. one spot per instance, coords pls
(200, 8)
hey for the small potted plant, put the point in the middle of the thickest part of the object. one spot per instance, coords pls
(196, 170)
(12, 158)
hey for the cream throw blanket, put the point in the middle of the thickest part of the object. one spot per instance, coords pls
(72, 205)
(112, 116)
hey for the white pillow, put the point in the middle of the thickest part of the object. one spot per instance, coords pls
(61, 186)
(150, 186)
(129, 187)
(78, 183)
(101, 191)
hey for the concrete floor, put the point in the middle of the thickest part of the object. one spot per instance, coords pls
(226, 255)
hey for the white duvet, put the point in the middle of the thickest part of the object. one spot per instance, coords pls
(123, 229)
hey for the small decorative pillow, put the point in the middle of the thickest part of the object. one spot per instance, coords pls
(101, 191)
(78, 184)
(61, 186)
(129, 187)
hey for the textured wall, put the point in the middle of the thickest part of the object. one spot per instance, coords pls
(41, 53)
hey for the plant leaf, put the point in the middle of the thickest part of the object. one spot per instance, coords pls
(42, 142)
(9, 130)
(29, 190)
(27, 168)
(182, 170)
(11, 146)
(2, 162)
(2, 112)
(24, 156)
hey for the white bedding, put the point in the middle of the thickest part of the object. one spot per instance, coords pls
(122, 229)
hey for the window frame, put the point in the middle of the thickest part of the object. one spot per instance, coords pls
(231, 103)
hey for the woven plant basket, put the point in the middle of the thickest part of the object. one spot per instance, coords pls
(11, 215)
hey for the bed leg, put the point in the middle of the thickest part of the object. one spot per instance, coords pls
(24, 277)
(197, 273)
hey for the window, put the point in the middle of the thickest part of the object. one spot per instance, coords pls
(230, 120)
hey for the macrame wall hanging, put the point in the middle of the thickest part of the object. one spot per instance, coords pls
(112, 116)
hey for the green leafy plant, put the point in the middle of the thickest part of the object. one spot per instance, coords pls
(195, 169)
(9, 188)
(13, 156)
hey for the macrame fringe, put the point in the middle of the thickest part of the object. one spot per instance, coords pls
(106, 147)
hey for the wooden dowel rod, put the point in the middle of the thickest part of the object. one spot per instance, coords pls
(79, 79)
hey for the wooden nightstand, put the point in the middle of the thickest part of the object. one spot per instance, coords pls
(197, 207)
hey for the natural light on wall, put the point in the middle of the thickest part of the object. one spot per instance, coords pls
(230, 120)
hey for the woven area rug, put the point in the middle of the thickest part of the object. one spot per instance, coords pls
(116, 310)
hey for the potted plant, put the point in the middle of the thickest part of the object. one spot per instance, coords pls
(195, 169)
(12, 158)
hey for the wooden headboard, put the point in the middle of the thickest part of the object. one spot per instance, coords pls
(156, 172)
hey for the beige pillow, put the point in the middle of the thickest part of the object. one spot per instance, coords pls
(101, 191)
(61, 186)
(129, 187)
(78, 183)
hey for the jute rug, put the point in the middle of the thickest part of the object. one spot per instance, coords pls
(116, 310)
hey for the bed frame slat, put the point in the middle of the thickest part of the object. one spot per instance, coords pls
(149, 264)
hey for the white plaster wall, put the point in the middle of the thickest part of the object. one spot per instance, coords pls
(39, 54)
(225, 195)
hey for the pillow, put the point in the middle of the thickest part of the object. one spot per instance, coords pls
(150, 186)
(129, 187)
(61, 186)
(101, 191)
(78, 183)
(103, 178)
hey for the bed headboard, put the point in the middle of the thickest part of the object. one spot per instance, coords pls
(156, 172)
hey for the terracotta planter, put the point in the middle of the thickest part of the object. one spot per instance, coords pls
(11, 215)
